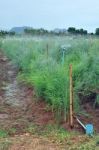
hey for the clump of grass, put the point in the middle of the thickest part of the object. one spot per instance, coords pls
(91, 144)
(12, 131)
(5, 145)
(32, 128)
(53, 132)
(3, 133)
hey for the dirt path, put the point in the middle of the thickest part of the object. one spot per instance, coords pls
(26, 142)
(13, 98)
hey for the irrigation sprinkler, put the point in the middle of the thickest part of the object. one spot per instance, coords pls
(47, 51)
(89, 129)
(64, 49)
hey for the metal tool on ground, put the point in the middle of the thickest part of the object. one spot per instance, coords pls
(89, 129)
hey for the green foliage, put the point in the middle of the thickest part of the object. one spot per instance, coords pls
(0, 43)
(91, 144)
(71, 30)
(33, 129)
(77, 31)
(97, 31)
(5, 33)
(3, 133)
(31, 31)
(50, 131)
(59, 134)
(12, 131)
(40, 60)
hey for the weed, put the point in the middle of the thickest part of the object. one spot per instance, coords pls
(3, 133)
(4, 145)
(12, 131)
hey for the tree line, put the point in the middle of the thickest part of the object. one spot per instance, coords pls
(33, 31)
(41, 31)
(73, 30)
(70, 30)
(5, 33)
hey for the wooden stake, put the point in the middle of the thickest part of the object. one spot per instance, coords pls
(71, 98)
(47, 51)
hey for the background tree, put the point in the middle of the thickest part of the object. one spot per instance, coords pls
(83, 32)
(3, 33)
(71, 30)
(97, 31)
(32, 31)
(77, 31)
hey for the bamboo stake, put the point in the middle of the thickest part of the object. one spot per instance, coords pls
(47, 53)
(71, 98)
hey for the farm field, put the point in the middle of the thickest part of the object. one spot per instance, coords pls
(34, 91)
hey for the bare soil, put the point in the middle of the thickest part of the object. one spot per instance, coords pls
(27, 142)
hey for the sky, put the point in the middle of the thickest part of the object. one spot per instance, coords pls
(50, 14)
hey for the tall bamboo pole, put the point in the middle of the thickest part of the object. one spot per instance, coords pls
(71, 98)
(47, 52)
